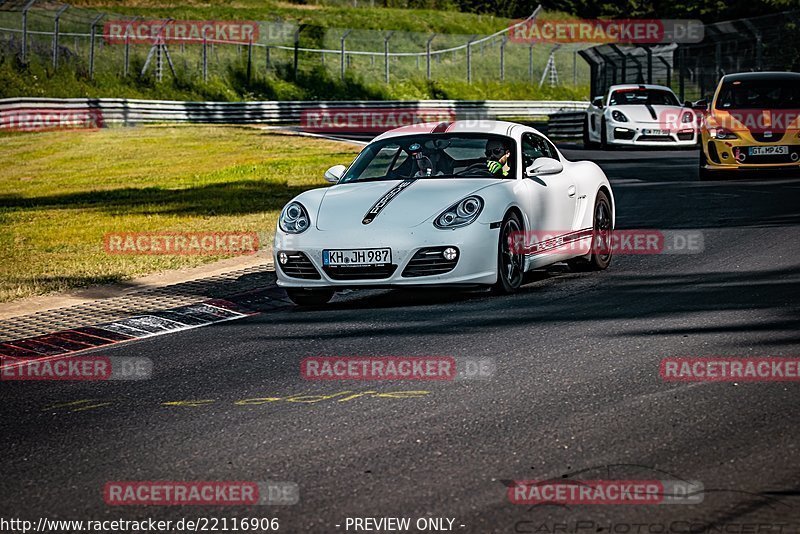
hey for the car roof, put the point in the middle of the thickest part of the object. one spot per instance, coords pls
(739, 76)
(638, 86)
(483, 126)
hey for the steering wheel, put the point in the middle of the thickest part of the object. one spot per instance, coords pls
(476, 169)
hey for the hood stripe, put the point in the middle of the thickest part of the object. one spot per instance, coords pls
(385, 199)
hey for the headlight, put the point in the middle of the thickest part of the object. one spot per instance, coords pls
(294, 218)
(722, 133)
(462, 213)
(619, 116)
(687, 117)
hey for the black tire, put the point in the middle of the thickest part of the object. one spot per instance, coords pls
(587, 141)
(603, 135)
(601, 250)
(310, 297)
(510, 261)
(702, 173)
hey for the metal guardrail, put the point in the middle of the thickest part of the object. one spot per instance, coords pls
(566, 124)
(125, 112)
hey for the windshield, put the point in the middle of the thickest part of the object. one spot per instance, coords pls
(434, 156)
(653, 97)
(759, 94)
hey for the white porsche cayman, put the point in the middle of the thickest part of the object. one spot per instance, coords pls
(445, 204)
(645, 115)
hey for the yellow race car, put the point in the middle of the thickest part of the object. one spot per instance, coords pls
(753, 123)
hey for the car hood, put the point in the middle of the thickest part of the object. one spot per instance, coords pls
(651, 114)
(755, 120)
(407, 203)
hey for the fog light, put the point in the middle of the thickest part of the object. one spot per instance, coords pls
(724, 155)
(283, 258)
(450, 253)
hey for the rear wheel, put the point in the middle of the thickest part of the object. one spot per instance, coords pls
(510, 259)
(601, 250)
(309, 297)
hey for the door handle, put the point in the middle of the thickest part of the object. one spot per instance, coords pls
(571, 191)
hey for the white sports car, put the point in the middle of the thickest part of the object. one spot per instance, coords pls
(639, 115)
(466, 203)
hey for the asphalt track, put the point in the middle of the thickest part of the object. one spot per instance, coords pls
(576, 393)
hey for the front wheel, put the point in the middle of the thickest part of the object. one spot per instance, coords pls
(604, 135)
(587, 139)
(601, 250)
(702, 173)
(510, 259)
(309, 297)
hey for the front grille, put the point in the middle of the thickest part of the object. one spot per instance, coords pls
(774, 137)
(685, 136)
(429, 262)
(661, 138)
(377, 272)
(298, 266)
(712, 152)
(620, 133)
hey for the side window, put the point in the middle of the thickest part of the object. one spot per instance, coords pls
(535, 146)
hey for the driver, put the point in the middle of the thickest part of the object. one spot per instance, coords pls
(497, 156)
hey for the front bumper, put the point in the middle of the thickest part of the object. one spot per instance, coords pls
(733, 154)
(637, 134)
(476, 243)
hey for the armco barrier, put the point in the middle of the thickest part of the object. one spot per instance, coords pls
(115, 111)
(566, 124)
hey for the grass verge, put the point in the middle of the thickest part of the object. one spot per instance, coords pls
(61, 192)
(318, 77)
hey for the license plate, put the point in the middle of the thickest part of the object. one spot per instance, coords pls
(767, 150)
(655, 132)
(357, 257)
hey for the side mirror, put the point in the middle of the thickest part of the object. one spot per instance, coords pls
(687, 104)
(335, 173)
(543, 166)
(701, 104)
(597, 101)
